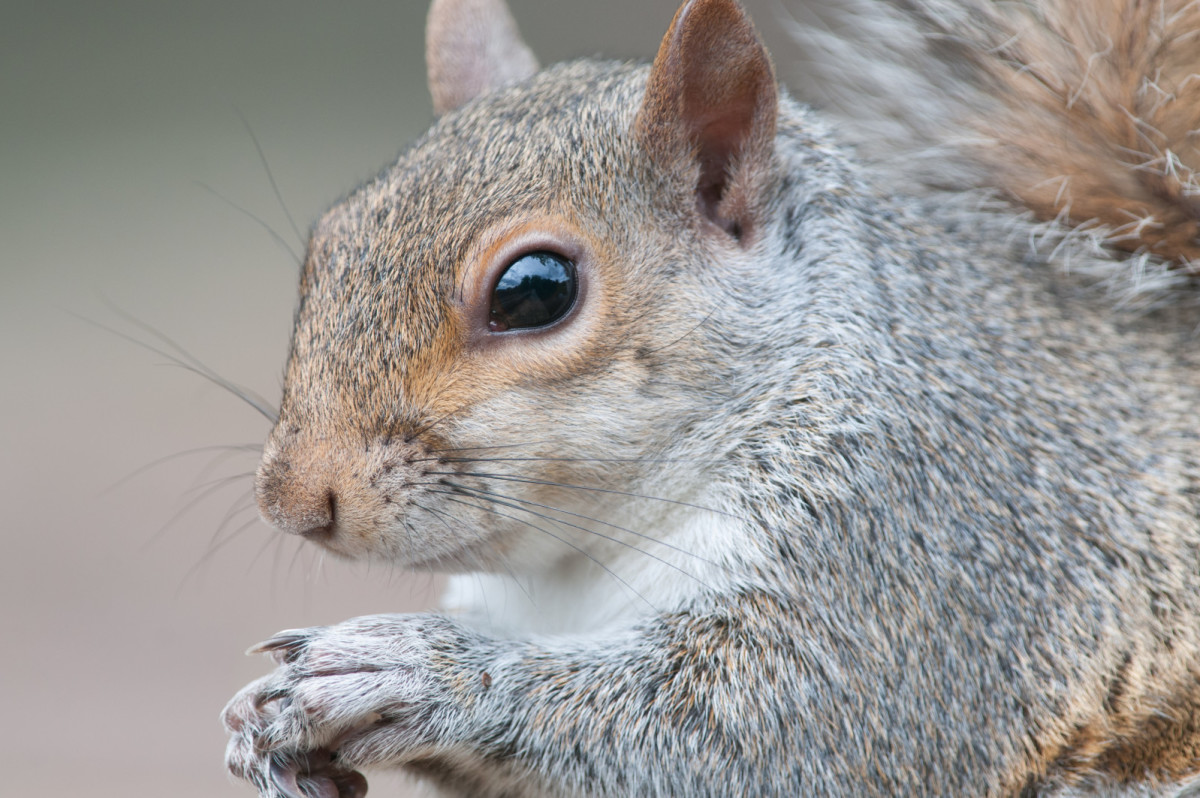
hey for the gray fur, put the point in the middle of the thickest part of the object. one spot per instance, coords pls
(932, 507)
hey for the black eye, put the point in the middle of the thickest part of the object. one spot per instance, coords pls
(535, 290)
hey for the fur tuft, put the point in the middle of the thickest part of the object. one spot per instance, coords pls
(1086, 113)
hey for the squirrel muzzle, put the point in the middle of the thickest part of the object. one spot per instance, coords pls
(343, 497)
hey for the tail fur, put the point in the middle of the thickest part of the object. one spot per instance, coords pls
(1085, 112)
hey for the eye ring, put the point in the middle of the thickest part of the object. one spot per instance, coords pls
(535, 290)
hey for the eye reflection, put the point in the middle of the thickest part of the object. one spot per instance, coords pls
(536, 290)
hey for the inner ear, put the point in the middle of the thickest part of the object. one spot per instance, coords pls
(711, 101)
(718, 144)
(472, 47)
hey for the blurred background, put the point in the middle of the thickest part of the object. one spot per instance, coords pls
(133, 571)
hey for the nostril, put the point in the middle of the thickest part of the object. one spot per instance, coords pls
(317, 533)
(322, 527)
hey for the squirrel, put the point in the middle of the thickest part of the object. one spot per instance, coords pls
(779, 452)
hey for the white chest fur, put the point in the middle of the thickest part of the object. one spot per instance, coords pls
(691, 550)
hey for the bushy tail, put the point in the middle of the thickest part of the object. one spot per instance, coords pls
(1086, 112)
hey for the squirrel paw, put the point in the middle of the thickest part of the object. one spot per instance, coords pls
(358, 693)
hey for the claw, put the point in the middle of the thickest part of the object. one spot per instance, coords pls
(319, 787)
(351, 784)
(283, 647)
(284, 777)
(310, 776)
(267, 696)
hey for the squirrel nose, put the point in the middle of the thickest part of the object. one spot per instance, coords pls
(300, 503)
(318, 523)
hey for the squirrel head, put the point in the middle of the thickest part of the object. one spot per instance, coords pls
(515, 294)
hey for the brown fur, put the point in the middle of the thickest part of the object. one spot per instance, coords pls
(1100, 117)
(1147, 737)
(1086, 112)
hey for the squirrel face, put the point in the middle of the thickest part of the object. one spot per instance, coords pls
(397, 368)
(403, 379)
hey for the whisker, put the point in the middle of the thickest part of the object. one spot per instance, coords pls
(270, 176)
(484, 448)
(224, 452)
(295, 557)
(564, 541)
(612, 491)
(487, 607)
(209, 491)
(279, 554)
(220, 482)
(274, 537)
(641, 535)
(560, 522)
(238, 507)
(317, 568)
(184, 359)
(209, 467)
(216, 538)
(422, 430)
(699, 324)
(512, 575)
(502, 560)
(254, 217)
(566, 460)
(212, 551)
(445, 518)
(437, 515)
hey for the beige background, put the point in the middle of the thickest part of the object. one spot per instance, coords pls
(131, 584)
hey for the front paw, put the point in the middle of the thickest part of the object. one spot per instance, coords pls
(280, 773)
(368, 691)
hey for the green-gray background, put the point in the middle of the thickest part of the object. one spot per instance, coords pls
(124, 603)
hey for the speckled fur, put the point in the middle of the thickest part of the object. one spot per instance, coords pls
(873, 501)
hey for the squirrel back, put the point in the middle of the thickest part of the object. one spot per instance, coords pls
(790, 474)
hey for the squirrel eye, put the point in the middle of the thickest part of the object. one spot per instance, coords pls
(535, 290)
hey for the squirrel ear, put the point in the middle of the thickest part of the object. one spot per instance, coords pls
(472, 47)
(711, 99)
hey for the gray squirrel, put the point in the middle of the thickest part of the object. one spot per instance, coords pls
(772, 466)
